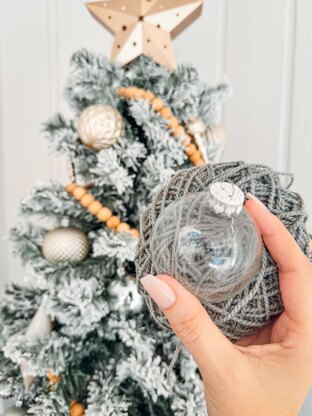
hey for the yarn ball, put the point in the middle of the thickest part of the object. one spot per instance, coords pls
(251, 309)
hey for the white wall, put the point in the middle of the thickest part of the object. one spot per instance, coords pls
(263, 47)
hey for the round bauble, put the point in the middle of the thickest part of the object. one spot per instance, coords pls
(15, 411)
(208, 242)
(100, 126)
(125, 296)
(65, 244)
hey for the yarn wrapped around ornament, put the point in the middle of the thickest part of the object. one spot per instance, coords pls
(260, 301)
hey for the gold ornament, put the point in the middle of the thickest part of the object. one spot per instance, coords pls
(39, 326)
(100, 126)
(145, 27)
(65, 244)
(15, 411)
(210, 141)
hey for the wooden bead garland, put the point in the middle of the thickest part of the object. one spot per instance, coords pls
(95, 208)
(172, 122)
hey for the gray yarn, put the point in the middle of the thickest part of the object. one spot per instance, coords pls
(260, 301)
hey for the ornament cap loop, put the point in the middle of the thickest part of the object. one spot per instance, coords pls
(225, 198)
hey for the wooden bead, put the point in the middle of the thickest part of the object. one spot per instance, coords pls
(201, 162)
(71, 187)
(86, 200)
(196, 156)
(77, 410)
(123, 226)
(95, 207)
(190, 149)
(129, 92)
(113, 222)
(157, 104)
(148, 95)
(79, 192)
(139, 93)
(135, 232)
(173, 123)
(53, 378)
(104, 214)
(179, 131)
(121, 91)
(166, 112)
(186, 140)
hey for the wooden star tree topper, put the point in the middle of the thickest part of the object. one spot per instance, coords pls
(145, 27)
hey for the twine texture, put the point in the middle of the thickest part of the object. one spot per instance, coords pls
(260, 301)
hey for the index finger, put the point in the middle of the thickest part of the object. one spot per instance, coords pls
(280, 243)
(294, 267)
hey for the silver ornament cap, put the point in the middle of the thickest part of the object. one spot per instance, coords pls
(225, 198)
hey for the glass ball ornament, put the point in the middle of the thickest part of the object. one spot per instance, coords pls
(208, 242)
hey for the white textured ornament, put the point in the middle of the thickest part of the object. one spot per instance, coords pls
(225, 198)
(39, 326)
(15, 411)
(196, 127)
(100, 126)
(211, 141)
(125, 297)
(65, 244)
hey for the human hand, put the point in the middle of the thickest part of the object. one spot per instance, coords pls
(268, 373)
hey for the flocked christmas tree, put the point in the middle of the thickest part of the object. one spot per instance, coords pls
(76, 337)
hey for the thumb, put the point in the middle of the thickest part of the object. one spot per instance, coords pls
(191, 323)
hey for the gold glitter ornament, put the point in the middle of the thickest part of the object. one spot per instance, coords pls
(100, 126)
(65, 244)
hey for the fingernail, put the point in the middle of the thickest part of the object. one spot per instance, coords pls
(257, 201)
(159, 291)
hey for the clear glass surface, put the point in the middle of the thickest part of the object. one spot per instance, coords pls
(213, 255)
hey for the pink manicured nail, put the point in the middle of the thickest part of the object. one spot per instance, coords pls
(159, 291)
(257, 201)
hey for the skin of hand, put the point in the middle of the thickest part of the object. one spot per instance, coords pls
(268, 373)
